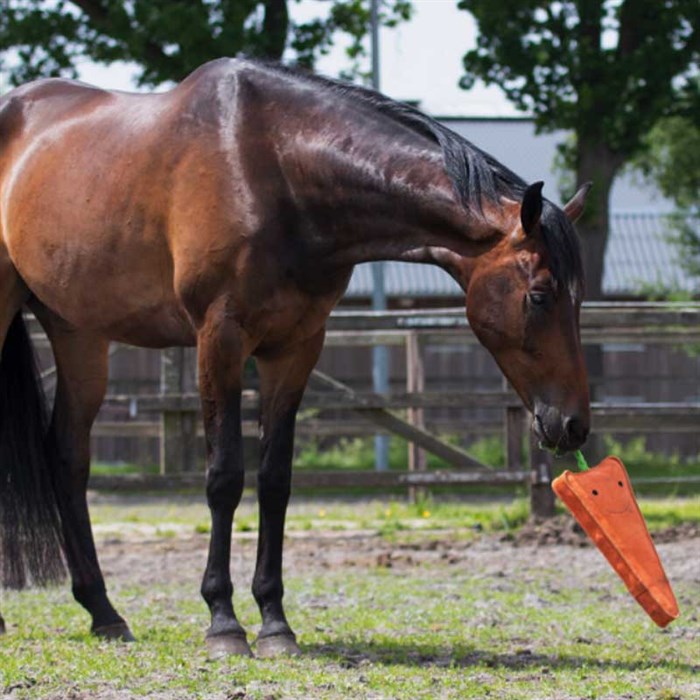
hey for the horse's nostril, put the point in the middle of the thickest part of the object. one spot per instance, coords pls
(576, 430)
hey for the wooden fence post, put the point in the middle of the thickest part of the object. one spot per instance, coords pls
(541, 494)
(514, 426)
(178, 432)
(415, 382)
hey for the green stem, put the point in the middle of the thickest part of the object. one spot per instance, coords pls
(581, 461)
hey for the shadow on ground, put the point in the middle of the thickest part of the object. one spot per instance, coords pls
(464, 656)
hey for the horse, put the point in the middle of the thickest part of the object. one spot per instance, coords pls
(227, 214)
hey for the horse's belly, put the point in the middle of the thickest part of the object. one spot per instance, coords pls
(119, 288)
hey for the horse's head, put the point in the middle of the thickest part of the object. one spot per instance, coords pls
(523, 303)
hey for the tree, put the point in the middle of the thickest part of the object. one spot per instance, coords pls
(671, 160)
(607, 70)
(170, 39)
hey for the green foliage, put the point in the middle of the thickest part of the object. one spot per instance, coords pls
(168, 40)
(601, 68)
(671, 161)
(639, 460)
(358, 453)
(686, 226)
(122, 468)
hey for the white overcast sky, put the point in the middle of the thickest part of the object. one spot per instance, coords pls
(420, 60)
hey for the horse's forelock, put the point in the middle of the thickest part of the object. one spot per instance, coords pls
(564, 250)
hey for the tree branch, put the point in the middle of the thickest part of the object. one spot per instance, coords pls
(100, 17)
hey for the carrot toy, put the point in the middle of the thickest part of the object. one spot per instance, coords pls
(602, 501)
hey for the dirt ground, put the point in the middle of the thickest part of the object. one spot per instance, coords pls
(557, 544)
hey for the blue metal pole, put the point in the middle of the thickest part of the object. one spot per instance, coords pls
(380, 365)
(380, 354)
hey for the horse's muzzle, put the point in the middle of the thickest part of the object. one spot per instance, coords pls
(558, 432)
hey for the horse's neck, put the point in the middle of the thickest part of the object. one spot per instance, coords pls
(365, 203)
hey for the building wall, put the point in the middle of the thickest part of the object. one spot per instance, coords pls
(532, 156)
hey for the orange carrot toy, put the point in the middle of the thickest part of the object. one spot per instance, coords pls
(602, 501)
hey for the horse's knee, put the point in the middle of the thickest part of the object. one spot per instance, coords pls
(224, 487)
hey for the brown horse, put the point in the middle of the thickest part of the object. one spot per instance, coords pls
(228, 214)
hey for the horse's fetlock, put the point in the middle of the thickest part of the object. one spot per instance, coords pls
(267, 590)
(215, 589)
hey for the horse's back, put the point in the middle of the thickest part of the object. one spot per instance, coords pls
(88, 182)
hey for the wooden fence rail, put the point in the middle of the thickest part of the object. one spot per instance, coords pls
(177, 404)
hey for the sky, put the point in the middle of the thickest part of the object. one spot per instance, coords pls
(419, 60)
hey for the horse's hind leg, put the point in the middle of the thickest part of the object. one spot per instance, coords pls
(283, 378)
(13, 293)
(82, 364)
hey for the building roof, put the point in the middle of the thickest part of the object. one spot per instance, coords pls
(640, 256)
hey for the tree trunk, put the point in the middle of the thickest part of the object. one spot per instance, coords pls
(275, 28)
(597, 164)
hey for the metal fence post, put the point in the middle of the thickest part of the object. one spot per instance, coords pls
(178, 431)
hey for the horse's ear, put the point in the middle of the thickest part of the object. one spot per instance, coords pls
(531, 209)
(574, 208)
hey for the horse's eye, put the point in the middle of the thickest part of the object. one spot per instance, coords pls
(539, 297)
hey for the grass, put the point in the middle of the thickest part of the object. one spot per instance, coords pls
(463, 517)
(365, 641)
(501, 622)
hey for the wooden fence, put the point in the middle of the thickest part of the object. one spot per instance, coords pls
(177, 404)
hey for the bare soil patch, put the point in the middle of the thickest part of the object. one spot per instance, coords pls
(557, 544)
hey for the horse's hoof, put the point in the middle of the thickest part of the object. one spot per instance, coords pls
(277, 645)
(119, 632)
(222, 645)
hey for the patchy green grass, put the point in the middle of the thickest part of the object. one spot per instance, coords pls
(122, 468)
(372, 634)
(477, 618)
(188, 514)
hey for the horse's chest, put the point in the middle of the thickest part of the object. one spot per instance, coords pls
(289, 317)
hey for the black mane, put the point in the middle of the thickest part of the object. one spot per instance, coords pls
(475, 175)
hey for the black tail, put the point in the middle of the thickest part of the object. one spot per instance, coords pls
(30, 525)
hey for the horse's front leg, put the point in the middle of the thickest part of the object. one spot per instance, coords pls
(221, 356)
(283, 378)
